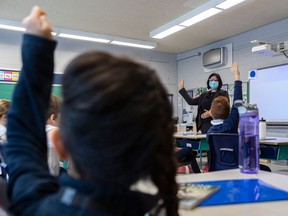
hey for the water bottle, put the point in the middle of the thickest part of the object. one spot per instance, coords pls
(262, 128)
(249, 138)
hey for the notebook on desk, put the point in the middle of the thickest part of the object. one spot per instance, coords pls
(243, 191)
(191, 194)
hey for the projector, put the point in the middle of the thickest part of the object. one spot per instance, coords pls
(282, 47)
(265, 49)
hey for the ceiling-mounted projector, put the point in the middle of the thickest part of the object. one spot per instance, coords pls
(265, 49)
(282, 47)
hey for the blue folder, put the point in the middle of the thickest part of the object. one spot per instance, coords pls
(243, 191)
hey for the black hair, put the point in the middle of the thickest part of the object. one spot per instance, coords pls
(218, 78)
(116, 123)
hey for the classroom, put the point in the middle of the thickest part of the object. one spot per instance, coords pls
(241, 30)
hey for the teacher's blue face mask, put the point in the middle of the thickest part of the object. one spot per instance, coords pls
(213, 84)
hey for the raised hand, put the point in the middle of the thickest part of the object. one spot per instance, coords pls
(181, 84)
(235, 71)
(37, 23)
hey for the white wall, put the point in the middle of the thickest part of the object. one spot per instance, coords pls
(190, 65)
(164, 63)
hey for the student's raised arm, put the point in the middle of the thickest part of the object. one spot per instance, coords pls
(26, 148)
(235, 71)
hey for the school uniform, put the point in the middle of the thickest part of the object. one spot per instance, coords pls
(230, 124)
(53, 156)
(31, 188)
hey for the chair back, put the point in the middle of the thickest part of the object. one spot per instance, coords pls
(224, 151)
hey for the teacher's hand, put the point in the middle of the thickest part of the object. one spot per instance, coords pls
(206, 114)
(181, 84)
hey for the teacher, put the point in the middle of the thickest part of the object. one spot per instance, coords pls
(204, 101)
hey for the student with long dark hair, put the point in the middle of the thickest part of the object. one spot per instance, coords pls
(117, 135)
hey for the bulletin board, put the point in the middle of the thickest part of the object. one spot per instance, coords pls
(269, 90)
(245, 92)
(9, 79)
(189, 112)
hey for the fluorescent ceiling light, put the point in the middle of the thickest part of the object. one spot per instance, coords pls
(229, 3)
(204, 15)
(196, 15)
(169, 31)
(17, 28)
(86, 36)
(132, 44)
(14, 28)
(78, 37)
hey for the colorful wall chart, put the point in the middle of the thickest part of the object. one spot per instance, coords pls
(9, 76)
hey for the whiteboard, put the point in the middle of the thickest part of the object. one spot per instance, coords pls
(269, 90)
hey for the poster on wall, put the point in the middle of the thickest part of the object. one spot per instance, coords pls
(12, 76)
(9, 76)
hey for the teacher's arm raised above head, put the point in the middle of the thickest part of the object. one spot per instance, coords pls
(185, 95)
(187, 98)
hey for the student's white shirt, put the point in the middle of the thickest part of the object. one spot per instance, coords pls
(53, 157)
(48, 129)
(217, 122)
(3, 131)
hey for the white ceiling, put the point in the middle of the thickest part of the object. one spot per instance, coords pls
(136, 18)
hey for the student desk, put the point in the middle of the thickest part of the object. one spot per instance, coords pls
(279, 208)
(189, 135)
(274, 148)
(201, 138)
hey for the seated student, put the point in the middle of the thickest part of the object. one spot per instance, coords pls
(4, 107)
(117, 134)
(51, 125)
(188, 155)
(224, 121)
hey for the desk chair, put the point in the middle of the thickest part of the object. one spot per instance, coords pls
(224, 152)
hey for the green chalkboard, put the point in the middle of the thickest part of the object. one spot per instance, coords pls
(6, 90)
(57, 90)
